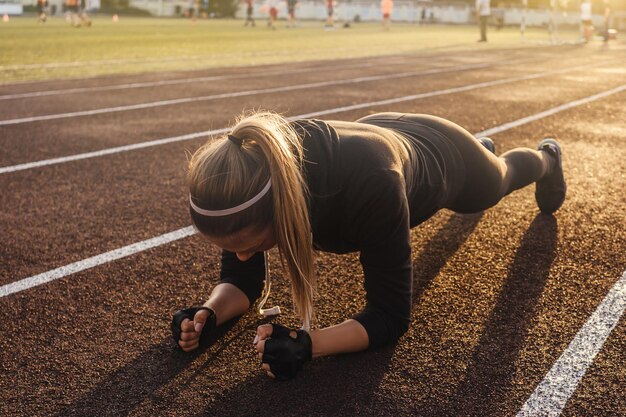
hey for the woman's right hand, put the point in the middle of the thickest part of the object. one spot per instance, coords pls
(189, 337)
(196, 325)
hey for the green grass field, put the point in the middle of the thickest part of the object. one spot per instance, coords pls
(134, 45)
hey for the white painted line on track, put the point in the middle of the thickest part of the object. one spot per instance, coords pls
(95, 261)
(161, 83)
(372, 61)
(70, 64)
(33, 281)
(109, 151)
(179, 81)
(127, 86)
(141, 145)
(552, 111)
(281, 89)
(553, 392)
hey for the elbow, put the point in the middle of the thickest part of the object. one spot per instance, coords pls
(383, 328)
(393, 334)
(395, 329)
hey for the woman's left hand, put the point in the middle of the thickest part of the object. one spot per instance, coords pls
(288, 355)
(263, 332)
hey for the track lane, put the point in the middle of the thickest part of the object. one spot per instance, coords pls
(158, 142)
(30, 110)
(231, 73)
(45, 108)
(229, 93)
(139, 125)
(165, 72)
(222, 83)
(89, 132)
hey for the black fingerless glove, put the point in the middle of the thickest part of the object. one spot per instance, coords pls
(209, 330)
(285, 355)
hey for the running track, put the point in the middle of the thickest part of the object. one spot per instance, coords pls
(514, 312)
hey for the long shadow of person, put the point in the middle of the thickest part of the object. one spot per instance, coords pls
(487, 381)
(339, 385)
(440, 248)
(128, 387)
(344, 384)
(321, 389)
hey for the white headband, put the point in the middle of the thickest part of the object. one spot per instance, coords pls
(233, 210)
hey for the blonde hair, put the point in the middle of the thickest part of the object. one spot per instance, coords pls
(224, 174)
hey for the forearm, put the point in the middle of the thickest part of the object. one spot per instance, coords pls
(227, 301)
(349, 336)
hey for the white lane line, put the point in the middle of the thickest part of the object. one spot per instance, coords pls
(552, 111)
(27, 283)
(109, 151)
(69, 64)
(159, 83)
(561, 381)
(186, 100)
(95, 261)
(180, 81)
(372, 61)
(113, 87)
(141, 145)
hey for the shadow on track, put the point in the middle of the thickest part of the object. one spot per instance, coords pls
(346, 384)
(136, 382)
(440, 248)
(340, 385)
(488, 376)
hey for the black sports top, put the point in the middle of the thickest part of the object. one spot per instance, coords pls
(368, 186)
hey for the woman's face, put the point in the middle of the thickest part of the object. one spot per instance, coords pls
(246, 242)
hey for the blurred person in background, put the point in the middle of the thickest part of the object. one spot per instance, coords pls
(335, 186)
(607, 20)
(330, 11)
(193, 10)
(483, 11)
(499, 16)
(586, 22)
(291, 13)
(272, 10)
(85, 20)
(249, 13)
(42, 6)
(204, 9)
(72, 12)
(386, 7)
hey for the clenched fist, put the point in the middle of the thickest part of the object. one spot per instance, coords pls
(194, 327)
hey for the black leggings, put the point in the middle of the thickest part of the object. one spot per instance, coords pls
(487, 177)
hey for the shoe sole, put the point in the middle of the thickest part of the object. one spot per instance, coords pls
(553, 142)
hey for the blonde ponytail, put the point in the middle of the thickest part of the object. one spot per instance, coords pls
(225, 173)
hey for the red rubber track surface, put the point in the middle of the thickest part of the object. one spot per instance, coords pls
(498, 296)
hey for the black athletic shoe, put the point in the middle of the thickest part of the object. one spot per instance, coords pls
(488, 143)
(550, 190)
